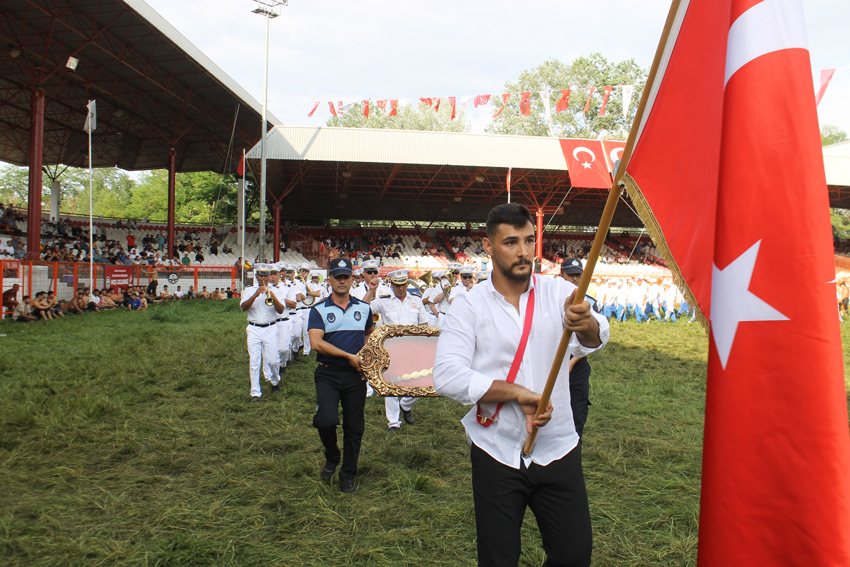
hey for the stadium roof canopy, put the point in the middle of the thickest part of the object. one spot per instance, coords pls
(360, 173)
(154, 89)
(836, 161)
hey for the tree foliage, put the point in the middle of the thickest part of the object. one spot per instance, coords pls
(554, 75)
(200, 197)
(830, 134)
(414, 116)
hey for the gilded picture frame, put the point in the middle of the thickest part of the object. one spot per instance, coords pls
(375, 361)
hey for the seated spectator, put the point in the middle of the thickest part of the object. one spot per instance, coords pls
(134, 303)
(106, 300)
(191, 293)
(199, 257)
(178, 294)
(204, 294)
(186, 261)
(226, 249)
(165, 295)
(40, 309)
(23, 311)
(10, 297)
(53, 303)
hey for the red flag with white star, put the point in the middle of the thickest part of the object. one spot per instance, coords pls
(525, 103)
(586, 163)
(736, 199)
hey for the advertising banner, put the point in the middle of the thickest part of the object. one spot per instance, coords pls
(117, 276)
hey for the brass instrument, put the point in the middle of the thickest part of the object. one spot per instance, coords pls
(447, 289)
(269, 298)
(308, 299)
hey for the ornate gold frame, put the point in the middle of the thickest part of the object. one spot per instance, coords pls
(374, 359)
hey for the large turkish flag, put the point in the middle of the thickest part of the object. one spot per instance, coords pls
(586, 163)
(735, 193)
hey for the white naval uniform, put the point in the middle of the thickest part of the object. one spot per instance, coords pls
(429, 294)
(393, 311)
(363, 288)
(293, 316)
(262, 340)
(284, 326)
(305, 318)
(443, 306)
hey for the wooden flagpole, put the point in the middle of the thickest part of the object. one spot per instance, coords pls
(604, 225)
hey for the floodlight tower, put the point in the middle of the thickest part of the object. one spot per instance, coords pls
(270, 9)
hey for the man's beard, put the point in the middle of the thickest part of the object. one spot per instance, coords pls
(507, 270)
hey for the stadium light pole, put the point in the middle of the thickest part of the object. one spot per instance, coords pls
(270, 9)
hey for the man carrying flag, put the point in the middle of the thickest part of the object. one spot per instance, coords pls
(722, 194)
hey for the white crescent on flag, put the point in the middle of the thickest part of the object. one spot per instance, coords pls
(583, 149)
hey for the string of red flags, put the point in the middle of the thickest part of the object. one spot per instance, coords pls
(391, 106)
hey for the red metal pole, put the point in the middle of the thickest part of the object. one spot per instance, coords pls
(172, 191)
(35, 180)
(539, 252)
(276, 209)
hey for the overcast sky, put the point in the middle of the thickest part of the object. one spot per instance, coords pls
(351, 50)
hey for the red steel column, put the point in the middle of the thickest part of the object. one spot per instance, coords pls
(35, 180)
(276, 209)
(172, 190)
(539, 252)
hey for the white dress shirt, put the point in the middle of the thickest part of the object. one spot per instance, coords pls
(478, 342)
(259, 313)
(397, 312)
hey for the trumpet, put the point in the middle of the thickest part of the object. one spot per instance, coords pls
(447, 289)
(269, 298)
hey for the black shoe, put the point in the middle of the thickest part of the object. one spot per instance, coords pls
(276, 388)
(297, 357)
(327, 472)
(395, 429)
(254, 399)
(408, 416)
(347, 485)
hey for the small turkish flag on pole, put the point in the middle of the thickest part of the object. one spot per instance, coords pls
(437, 104)
(525, 104)
(240, 169)
(481, 100)
(563, 102)
(776, 451)
(315, 106)
(366, 108)
(453, 102)
(393, 107)
(333, 109)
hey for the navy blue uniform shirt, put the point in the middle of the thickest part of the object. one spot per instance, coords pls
(344, 329)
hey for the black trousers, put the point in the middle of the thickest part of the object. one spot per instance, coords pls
(580, 393)
(556, 494)
(335, 385)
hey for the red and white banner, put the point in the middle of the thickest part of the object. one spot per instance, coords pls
(117, 276)
(613, 152)
(825, 78)
(586, 163)
(726, 191)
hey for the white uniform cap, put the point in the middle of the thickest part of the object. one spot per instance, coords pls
(281, 266)
(468, 270)
(290, 268)
(481, 276)
(358, 272)
(399, 277)
(274, 268)
(454, 266)
(370, 264)
(305, 266)
(261, 267)
(438, 273)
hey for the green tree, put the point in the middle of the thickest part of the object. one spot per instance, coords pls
(416, 116)
(552, 76)
(830, 134)
(14, 185)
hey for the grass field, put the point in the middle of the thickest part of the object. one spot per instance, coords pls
(126, 439)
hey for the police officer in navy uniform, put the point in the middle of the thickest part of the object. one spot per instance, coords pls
(571, 270)
(338, 329)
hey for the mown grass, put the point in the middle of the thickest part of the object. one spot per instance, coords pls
(126, 439)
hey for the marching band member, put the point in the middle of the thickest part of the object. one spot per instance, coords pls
(309, 291)
(399, 308)
(482, 276)
(339, 327)
(372, 284)
(297, 291)
(442, 299)
(467, 280)
(284, 324)
(263, 306)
